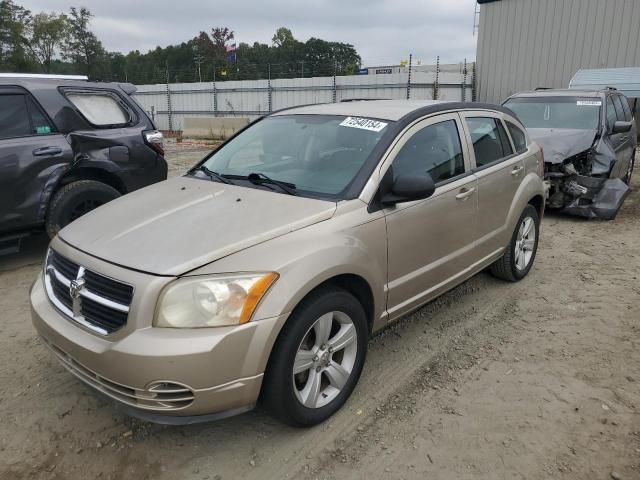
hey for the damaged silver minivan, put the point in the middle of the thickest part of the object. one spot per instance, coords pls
(589, 143)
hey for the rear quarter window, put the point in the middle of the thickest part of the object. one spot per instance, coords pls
(518, 136)
(100, 109)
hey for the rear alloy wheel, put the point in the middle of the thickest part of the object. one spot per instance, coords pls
(75, 200)
(317, 359)
(518, 258)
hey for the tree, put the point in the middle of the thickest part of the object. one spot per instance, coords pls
(44, 37)
(282, 38)
(13, 20)
(82, 46)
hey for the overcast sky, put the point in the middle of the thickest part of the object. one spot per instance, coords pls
(383, 31)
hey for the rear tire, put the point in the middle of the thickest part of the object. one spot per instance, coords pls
(331, 361)
(627, 177)
(74, 200)
(518, 258)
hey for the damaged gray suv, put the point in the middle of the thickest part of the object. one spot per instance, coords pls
(589, 142)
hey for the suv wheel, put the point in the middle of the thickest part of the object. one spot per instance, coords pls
(518, 258)
(74, 200)
(317, 359)
(627, 177)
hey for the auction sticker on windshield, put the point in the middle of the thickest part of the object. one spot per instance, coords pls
(363, 123)
(589, 103)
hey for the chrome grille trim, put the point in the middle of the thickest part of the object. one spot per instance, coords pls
(78, 291)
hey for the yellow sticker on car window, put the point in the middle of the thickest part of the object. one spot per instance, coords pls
(364, 124)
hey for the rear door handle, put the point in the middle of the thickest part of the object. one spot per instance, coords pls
(47, 151)
(465, 193)
(517, 170)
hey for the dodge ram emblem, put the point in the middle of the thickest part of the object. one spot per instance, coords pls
(74, 288)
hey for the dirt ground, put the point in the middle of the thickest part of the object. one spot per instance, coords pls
(537, 380)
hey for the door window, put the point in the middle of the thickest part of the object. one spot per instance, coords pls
(490, 141)
(518, 137)
(435, 150)
(626, 108)
(612, 116)
(14, 116)
(619, 110)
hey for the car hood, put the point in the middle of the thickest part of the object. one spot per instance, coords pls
(178, 225)
(561, 143)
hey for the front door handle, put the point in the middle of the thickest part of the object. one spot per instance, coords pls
(465, 193)
(517, 170)
(47, 151)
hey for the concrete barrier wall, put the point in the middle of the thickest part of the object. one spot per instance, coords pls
(216, 128)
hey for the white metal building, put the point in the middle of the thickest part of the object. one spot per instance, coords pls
(525, 44)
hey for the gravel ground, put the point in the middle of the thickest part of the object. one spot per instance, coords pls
(537, 380)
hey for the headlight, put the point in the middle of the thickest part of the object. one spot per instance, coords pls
(212, 301)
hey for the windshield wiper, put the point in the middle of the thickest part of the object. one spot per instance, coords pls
(214, 175)
(261, 179)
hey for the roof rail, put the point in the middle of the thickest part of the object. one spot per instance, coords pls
(543, 88)
(610, 88)
(43, 75)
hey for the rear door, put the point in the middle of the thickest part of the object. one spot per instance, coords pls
(30, 149)
(429, 241)
(499, 170)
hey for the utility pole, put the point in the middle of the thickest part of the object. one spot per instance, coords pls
(198, 59)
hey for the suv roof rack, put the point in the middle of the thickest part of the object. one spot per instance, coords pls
(543, 88)
(43, 75)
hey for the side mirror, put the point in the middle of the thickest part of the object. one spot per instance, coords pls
(621, 127)
(407, 188)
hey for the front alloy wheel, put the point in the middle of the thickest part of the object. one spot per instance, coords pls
(325, 359)
(317, 359)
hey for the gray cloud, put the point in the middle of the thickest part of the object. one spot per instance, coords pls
(383, 31)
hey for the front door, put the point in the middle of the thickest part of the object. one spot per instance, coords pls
(30, 150)
(430, 241)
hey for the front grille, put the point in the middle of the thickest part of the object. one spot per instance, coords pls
(91, 299)
(111, 289)
(159, 396)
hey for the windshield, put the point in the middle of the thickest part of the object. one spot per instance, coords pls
(557, 112)
(318, 155)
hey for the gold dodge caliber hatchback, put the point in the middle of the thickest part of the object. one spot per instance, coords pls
(263, 271)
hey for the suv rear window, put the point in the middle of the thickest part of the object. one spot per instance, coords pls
(100, 109)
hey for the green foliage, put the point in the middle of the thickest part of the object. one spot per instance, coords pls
(59, 43)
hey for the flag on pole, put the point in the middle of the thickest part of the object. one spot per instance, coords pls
(231, 52)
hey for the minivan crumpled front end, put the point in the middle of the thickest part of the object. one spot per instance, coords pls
(577, 165)
(158, 373)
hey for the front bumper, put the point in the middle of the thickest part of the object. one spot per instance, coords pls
(161, 371)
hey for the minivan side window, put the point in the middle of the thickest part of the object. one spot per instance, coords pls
(100, 109)
(612, 116)
(14, 116)
(518, 137)
(435, 150)
(490, 141)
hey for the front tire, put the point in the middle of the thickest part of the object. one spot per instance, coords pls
(518, 258)
(317, 359)
(627, 176)
(74, 200)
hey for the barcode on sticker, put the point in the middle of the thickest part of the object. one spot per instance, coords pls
(589, 103)
(363, 123)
